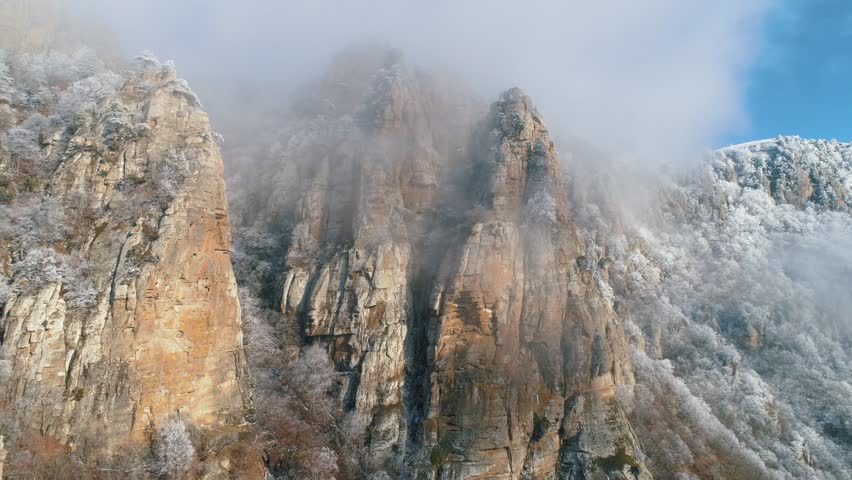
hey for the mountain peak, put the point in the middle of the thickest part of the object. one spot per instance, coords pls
(519, 157)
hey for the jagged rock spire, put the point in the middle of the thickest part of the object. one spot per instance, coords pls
(470, 340)
(517, 154)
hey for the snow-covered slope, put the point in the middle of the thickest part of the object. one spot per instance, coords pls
(741, 307)
(792, 170)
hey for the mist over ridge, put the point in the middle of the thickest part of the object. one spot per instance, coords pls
(655, 83)
(485, 240)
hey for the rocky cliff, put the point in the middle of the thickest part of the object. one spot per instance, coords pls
(430, 296)
(526, 350)
(121, 308)
(432, 254)
(491, 317)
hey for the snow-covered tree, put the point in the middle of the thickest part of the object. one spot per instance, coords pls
(7, 117)
(5, 290)
(83, 97)
(173, 450)
(744, 352)
(299, 418)
(168, 176)
(22, 144)
(31, 221)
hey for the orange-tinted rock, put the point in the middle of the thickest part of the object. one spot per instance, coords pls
(438, 263)
(527, 350)
(164, 336)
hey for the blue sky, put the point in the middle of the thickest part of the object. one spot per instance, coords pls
(801, 83)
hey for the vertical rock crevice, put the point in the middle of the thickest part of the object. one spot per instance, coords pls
(472, 342)
(163, 336)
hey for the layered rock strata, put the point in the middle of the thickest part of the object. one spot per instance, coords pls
(436, 260)
(142, 176)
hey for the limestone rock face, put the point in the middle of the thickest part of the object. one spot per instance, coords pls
(527, 351)
(371, 178)
(435, 257)
(143, 176)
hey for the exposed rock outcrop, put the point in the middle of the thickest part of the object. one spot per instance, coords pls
(436, 260)
(142, 178)
(353, 274)
(527, 350)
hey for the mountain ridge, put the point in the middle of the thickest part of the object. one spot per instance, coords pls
(424, 291)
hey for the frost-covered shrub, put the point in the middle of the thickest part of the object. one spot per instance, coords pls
(181, 87)
(7, 117)
(681, 428)
(743, 303)
(173, 450)
(149, 62)
(43, 266)
(32, 221)
(146, 60)
(8, 92)
(169, 175)
(83, 97)
(119, 125)
(253, 251)
(40, 267)
(23, 144)
(82, 63)
(154, 190)
(81, 294)
(306, 432)
(5, 290)
(300, 412)
(54, 81)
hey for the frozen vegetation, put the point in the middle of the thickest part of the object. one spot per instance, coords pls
(739, 299)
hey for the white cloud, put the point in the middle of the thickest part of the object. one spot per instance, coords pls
(656, 80)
